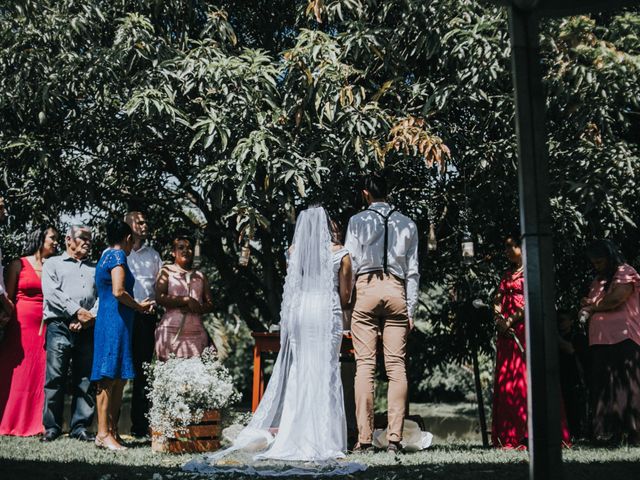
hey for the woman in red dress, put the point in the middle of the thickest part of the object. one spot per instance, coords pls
(22, 352)
(509, 429)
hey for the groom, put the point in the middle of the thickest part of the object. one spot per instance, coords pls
(383, 244)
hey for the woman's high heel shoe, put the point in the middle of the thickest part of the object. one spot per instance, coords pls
(100, 443)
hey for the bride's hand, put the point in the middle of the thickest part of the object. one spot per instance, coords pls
(411, 324)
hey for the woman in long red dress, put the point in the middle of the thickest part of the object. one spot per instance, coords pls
(22, 352)
(509, 429)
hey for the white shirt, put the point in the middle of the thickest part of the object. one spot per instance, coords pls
(365, 242)
(3, 289)
(145, 264)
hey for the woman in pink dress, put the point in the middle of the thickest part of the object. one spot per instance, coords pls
(613, 308)
(22, 353)
(186, 295)
(509, 429)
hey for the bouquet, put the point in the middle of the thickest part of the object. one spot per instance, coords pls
(181, 390)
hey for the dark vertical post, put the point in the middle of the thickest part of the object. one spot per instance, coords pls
(476, 376)
(535, 222)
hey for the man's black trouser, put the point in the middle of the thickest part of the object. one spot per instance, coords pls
(144, 328)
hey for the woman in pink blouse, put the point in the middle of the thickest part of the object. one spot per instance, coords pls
(186, 295)
(613, 308)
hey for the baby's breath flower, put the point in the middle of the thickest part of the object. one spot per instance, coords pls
(182, 389)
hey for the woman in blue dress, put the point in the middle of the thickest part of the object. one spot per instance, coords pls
(112, 358)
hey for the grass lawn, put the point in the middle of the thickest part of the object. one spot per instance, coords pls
(27, 458)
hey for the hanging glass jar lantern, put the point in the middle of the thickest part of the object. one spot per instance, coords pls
(432, 241)
(468, 247)
(245, 253)
(197, 257)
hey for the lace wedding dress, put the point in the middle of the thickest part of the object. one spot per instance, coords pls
(299, 427)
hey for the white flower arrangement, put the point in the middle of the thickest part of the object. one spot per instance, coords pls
(181, 390)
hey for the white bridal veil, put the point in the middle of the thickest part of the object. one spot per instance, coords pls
(299, 427)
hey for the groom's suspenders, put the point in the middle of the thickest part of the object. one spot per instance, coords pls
(386, 236)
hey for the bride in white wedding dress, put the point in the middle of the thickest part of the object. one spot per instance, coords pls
(300, 423)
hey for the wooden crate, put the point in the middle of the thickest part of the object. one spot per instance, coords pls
(203, 436)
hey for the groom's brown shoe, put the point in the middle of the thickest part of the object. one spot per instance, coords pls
(394, 447)
(364, 448)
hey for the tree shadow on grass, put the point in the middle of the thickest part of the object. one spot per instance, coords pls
(52, 470)
(38, 470)
(47, 470)
(615, 470)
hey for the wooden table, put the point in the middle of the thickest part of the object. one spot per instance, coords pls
(270, 343)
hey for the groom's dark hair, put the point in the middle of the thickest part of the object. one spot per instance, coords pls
(376, 185)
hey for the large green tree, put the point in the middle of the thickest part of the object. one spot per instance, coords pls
(229, 116)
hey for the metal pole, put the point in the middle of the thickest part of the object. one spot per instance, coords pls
(535, 221)
(481, 413)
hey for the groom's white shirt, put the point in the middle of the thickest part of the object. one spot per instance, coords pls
(365, 243)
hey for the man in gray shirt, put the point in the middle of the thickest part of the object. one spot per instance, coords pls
(70, 307)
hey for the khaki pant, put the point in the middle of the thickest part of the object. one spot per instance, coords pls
(380, 304)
